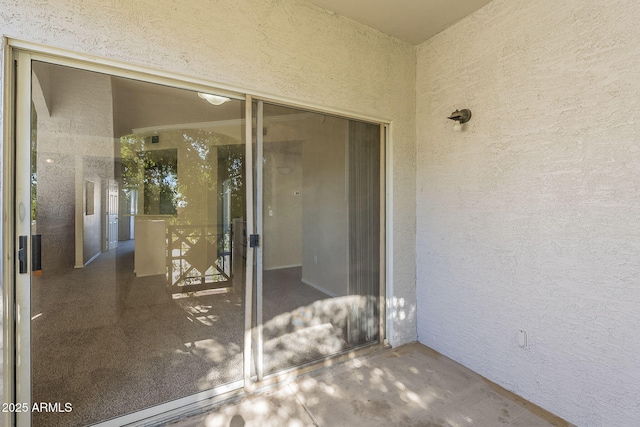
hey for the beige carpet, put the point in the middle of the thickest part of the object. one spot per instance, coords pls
(111, 343)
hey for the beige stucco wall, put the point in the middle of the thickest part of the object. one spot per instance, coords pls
(529, 219)
(285, 48)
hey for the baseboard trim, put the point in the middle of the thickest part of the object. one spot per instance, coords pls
(93, 258)
(318, 287)
(280, 267)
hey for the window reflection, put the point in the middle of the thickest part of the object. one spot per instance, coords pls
(321, 200)
(139, 301)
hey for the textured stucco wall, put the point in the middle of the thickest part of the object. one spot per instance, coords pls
(530, 218)
(284, 47)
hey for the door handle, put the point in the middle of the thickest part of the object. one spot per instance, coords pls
(36, 254)
(22, 254)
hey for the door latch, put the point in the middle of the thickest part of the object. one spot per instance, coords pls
(22, 254)
(36, 254)
(254, 240)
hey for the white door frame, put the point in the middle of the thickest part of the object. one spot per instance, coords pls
(109, 186)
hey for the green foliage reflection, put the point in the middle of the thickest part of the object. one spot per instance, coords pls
(186, 174)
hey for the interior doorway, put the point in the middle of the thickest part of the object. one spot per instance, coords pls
(111, 204)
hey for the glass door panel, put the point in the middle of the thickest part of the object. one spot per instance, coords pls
(135, 207)
(320, 254)
(138, 200)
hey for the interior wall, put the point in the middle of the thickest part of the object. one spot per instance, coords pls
(94, 170)
(325, 207)
(528, 218)
(282, 222)
(285, 48)
(306, 208)
(75, 143)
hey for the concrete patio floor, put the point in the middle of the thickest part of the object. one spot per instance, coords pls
(408, 386)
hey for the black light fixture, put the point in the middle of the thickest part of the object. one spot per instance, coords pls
(460, 117)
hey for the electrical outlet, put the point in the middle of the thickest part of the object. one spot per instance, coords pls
(523, 339)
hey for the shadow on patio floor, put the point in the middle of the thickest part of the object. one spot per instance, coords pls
(408, 386)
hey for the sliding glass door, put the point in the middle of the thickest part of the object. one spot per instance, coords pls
(135, 209)
(319, 280)
(175, 244)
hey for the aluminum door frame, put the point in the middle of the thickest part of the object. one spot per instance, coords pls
(19, 388)
(16, 172)
(22, 215)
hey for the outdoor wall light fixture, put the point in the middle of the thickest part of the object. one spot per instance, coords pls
(460, 117)
(213, 99)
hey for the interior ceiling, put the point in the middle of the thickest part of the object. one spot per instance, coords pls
(411, 20)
